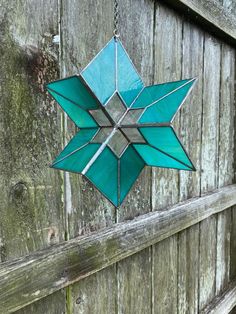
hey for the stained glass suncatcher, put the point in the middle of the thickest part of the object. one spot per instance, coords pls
(123, 125)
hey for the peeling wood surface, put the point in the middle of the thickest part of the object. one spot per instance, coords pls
(83, 256)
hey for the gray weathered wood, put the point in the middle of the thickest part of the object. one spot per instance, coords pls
(31, 207)
(165, 183)
(233, 244)
(226, 162)
(190, 133)
(85, 29)
(134, 274)
(212, 14)
(224, 302)
(31, 278)
(209, 177)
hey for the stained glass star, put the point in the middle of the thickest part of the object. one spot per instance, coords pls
(123, 125)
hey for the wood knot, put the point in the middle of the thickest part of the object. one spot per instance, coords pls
(19, 190)
(52, 235)
(79, 300)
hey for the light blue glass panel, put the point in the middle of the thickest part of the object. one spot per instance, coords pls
(165, 109)
(74, 90)
(152, 93)
(77, 161)
(164, 138)
(155, 158)
(79, 140)
(129, 83)
(130, 167)
(79, 116)
(100, 73)
(104, 175)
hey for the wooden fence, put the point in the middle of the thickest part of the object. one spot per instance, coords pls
(171, 247)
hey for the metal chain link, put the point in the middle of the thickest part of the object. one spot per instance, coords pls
(116, 19)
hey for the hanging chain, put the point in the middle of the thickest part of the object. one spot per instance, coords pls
(116, 19)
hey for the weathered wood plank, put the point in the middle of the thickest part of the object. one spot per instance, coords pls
(233, 244)
(226, 162)
(224, 302)
(190, 133)
(134, 274)
(86, 28)
(213, 15)
(165, 183)
(28, 279)
(227, 117)
(209, 177)
(31, 207)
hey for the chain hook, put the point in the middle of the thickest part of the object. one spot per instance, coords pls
(116, 19)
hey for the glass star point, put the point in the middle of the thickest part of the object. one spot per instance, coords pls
(123, 125)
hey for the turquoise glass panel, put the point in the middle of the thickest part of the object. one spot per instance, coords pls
(74, 90)
(153, 93)
(79, 116)
(129, 83)
(79, 140)
(164, 139)
(104, 175)
(77, 161)
(100, 73)
(155, 158)
(130, 167)
(164, 109)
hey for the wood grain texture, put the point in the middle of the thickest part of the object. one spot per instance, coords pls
(165, 183)
(212, 14)
(85, 29)
(190, 133)
(209, 177)
(40, 207)
(233, 244)
(31, 207)
(226, 162)
(134, 274)
(54, 268)
(222, 303)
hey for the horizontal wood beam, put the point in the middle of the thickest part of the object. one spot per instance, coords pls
(28, 279)
(210, 13)
(223, 303)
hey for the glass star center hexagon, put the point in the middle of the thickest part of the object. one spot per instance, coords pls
(123, 125)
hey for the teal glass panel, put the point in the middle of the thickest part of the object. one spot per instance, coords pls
(74, 90)
(155, 158)
(104, 175)
(164, 138)
(165, 108)
(79, 116)
(78, 160)
(79, 140)
(100, 73)
(129, 83)
(153, 93)
(130, 167)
